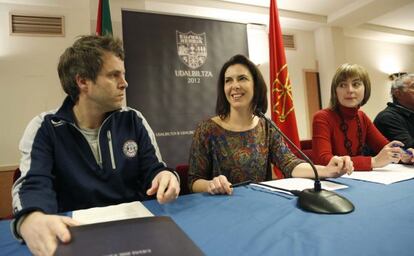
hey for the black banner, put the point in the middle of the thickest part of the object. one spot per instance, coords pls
(172, 64)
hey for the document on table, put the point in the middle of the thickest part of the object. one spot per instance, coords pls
(157, 235)
(385, 175)
(109, 213)
(298, 184)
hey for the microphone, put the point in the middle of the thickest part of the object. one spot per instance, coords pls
(316, 200)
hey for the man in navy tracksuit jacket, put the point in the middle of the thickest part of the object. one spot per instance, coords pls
(90, 152)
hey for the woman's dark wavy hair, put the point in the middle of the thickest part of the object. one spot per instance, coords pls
(259, 101)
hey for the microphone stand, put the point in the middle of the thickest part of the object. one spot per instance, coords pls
(316, 200)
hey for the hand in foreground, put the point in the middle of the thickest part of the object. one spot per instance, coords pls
(166, 185)
(390, 153)
(338, 166)
(219, 185)
(41, 232)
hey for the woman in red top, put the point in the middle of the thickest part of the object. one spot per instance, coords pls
(343, 129)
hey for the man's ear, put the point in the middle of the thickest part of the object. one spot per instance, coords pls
(82, 83)
(397, 93)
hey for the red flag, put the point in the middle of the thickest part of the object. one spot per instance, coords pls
(103, 20)
(283, 113)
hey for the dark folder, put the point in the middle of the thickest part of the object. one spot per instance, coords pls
(139, 236)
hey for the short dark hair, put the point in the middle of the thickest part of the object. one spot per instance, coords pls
(85, 58)
(259, 100)
(344, 72)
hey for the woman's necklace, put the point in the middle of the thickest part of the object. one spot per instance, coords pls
(347, 142)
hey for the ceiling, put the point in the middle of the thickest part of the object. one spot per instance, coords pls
(385, 20)
(389, 20)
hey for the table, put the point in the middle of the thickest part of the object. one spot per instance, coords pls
(256, 222)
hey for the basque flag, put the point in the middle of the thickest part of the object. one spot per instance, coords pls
(283, 113)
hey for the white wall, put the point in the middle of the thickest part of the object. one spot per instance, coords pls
(380, 59)
(28, 78)
(29, 83)
(298, 60)
(330, 53)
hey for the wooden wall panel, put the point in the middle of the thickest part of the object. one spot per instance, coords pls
(6, 182)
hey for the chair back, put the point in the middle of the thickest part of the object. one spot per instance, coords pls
(16, 175)
(306, 146)
(182, 170)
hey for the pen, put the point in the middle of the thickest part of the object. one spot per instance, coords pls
(408, 152)
(247, 182)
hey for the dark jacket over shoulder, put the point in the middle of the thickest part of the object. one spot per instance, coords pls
(60, 173)
(396, 123)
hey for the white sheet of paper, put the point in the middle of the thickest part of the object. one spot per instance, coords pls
(109, 213)
(299, 184)
(385, 175)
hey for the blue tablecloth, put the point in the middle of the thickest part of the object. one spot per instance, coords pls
(257, 222)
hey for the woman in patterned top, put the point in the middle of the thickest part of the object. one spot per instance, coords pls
(236, 145)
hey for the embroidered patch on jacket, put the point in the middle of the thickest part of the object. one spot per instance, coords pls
(130, 148)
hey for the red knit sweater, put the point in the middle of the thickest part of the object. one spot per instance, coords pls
(328, 139)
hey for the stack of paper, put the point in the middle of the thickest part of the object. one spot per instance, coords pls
(110, 213)
(386, 175)
(298, 184)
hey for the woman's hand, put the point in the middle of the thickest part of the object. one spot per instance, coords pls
(219, 185)
(390, 153)
(337, 166)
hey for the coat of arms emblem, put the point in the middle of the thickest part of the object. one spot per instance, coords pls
(192, 48)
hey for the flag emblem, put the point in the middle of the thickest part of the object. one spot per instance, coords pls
(282, 89)
(192, 48)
